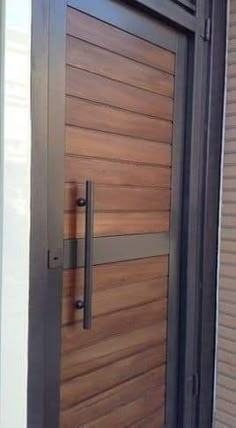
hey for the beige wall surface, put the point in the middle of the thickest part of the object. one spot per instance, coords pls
(225, 382)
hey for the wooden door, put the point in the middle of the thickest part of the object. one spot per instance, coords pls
(122, 131)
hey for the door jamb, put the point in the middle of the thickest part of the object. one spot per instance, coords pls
(38, 234)
(48, 46)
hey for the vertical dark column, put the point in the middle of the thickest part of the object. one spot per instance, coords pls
(55, 203)
(38, 238)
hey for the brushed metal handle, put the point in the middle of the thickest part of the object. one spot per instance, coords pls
(86, 304)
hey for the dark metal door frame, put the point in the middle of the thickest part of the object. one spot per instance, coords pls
(206, 64)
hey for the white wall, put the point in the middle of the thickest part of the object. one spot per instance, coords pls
(225, 373)
(15, 213)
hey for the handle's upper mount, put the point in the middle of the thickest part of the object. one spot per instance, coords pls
(79, 304)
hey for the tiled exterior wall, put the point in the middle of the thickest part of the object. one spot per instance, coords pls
(225, 392)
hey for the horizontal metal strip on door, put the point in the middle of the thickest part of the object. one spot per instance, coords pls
(116, 248)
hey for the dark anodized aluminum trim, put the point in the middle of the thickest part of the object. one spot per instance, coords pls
(187, 4)
(116, 248)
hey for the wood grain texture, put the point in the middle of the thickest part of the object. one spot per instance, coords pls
(112, 324)
(88, 57)
(113, 39)
(84, 142)
(155, 420)
(90, 86)
(119, 198)
(116, 298)
(95, 407)
(122, 223)
(113, 349)
(118, 274)
(133, 411)
(100, 117)
(78, 170)
(119, 112)
(109, 376)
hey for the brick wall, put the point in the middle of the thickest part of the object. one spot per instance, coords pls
(225, 400)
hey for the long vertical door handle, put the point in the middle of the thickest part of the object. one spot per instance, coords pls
(88, 257)
(86, 305)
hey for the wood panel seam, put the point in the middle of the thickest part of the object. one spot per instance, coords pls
(120, 161)
(69, 95)
(122, 135)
